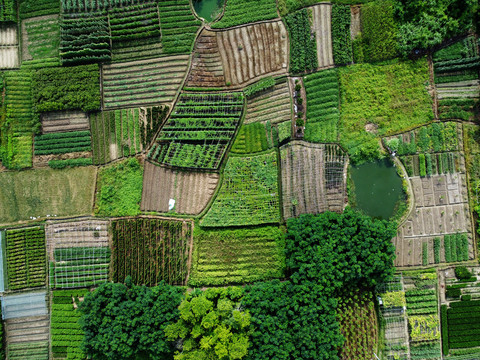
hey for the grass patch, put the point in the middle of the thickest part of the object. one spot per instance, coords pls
(119, 189)
(46, 192)
(389, 98)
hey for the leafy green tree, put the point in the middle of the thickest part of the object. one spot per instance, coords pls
(337, 250)
(212, 325)
(425, 24)
(125, 321)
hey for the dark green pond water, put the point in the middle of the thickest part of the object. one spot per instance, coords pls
(208, 9)
(378, 188)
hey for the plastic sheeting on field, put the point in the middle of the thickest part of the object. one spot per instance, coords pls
(23, 305)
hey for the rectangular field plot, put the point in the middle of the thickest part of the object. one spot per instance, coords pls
(252, 51)
(274, 105)
(249, 193)
(143, 82)
(26, 258)
(24, 305)
(66, 331)
(62, 142)
(313, 178)
(198, 131)
(41, 192)
(60, 121)
(37, 350)
(8, 47)
(151, 249)
(191, 190)
(40, 38)
(78, 253)
(236, 256)
(322, 19)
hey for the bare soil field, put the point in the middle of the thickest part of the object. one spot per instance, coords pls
(81, 233)
(322, 18)
(191, 190)
(60, 121)
(313, 178)
(207, 67)
(27, 329)
(251, 51)
(273, 105)
(460, 89)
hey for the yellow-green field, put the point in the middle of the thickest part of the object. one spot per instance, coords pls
(39, 193)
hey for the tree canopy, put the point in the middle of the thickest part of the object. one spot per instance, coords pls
(125, 321)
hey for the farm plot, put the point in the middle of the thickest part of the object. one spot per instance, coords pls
(125, 132)
(198, 131)
(9, 11)
(472, 160)
(303, 49)
(253, 51)
(44, 192)
(8, 47)
(63, 121)
(143, 82)
(322, 91)
(273, 104)
(66, 332)
(25, 258)
(26, 326)
(236, 256)
(84, 38)
(456, 69)
(179, 26)
(313, 178)
(16, 136)
(252, 138)
(151, 250)
(40, 38)
(440, 209)
(34, 8)
(358, 324)
(191, 191)
(135, 32)
(322, 24)
(207, 67)
(342, 50)
(393, 320)
(430, 150)
(422, 312)
(460, 330)
(238, 12)
(62, 142)
(248, 194)
(78, 253)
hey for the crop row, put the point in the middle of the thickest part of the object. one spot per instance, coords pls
(26, 258)
(456, 247)
(322, 90)
(66, 332)
(430, 164)
(61, 143)
(151, 250)
(463, 318)
(437, 137)
(303, 48)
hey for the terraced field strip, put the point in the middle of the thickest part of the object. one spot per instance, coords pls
(9, 47)
(40, 37)
(64, 121)
(191, 191)
(322, 19)
(273, 105)
(207, 67)
(313, 178)
(143, 82)
(252, 51)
